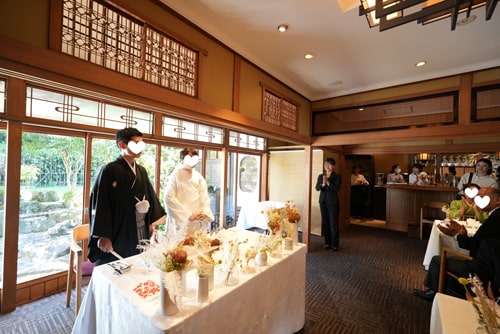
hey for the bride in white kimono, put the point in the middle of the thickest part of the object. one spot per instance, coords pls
(186, 199)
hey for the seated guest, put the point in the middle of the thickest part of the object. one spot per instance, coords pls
(395, 175)
(418, 176)
(486, 265)
(490, 229)
(464, 208)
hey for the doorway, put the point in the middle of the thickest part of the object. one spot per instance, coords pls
(364, 201)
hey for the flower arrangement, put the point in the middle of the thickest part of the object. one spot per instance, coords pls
(270, 244)
(230, 260)
(203, 247)
(292, 213)
(275, 219)
(175, 259)
(250, 255)
(485, 307)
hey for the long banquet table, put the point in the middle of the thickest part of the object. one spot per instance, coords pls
(271, 300)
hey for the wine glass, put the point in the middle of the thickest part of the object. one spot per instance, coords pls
(145, 248)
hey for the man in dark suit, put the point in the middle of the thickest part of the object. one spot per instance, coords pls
(486, 265)
(328, 184)
(490, 229)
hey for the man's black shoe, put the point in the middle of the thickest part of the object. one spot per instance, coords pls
(425, 294)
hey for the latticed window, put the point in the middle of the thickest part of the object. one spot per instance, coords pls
(2, 96)
(279, 111)
(238, 139)
(181, 129)
(62, 107)
(102, 35)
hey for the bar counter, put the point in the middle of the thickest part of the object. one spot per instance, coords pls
(404, 201)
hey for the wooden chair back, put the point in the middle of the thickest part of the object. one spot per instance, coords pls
(443, 273)
(430, 211)
(81, 234)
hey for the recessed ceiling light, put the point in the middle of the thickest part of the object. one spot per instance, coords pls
(310, 55)
(421, 63)
(283, 27)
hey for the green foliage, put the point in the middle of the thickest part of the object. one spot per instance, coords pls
(30, 207)
(2, 196)
(69, 195)
(29, 174)
(45, 196)
(59, 159)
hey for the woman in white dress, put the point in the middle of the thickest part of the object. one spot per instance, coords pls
(186, 199)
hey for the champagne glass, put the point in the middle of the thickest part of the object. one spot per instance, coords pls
(145, 248)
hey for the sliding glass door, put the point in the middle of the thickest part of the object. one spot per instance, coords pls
(51, 202)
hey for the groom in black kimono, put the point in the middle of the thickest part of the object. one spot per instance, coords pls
(123, 204)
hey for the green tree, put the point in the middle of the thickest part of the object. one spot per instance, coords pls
(29, 174)
(55, 156)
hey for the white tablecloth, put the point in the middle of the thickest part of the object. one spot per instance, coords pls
(253, 214)
(270, 301)
(452, 315)
(438, 240)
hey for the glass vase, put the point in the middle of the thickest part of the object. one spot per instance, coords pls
(294, 232)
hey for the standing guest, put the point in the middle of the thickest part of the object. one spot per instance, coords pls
(418, 176)
(482, 176)
(328, 184)
(490, 229)
(187, 201)
(124, 207)
(395, 175)
(453, 176)
(358, 179)
(359, 192)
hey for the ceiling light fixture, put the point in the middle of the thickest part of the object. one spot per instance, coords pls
(310, 55)
(283, 27)
(368, 8)
(388, 14)
(421, 63)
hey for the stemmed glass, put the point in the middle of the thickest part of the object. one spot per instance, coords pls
(145, 248)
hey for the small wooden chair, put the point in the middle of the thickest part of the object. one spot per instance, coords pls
(443, 273)
(429, 212)
(82, 270)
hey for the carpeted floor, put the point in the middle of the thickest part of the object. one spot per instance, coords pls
(365, 287)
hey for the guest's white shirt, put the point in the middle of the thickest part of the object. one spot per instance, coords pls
(482, 181)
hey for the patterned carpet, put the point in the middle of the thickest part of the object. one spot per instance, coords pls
(363, 288)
